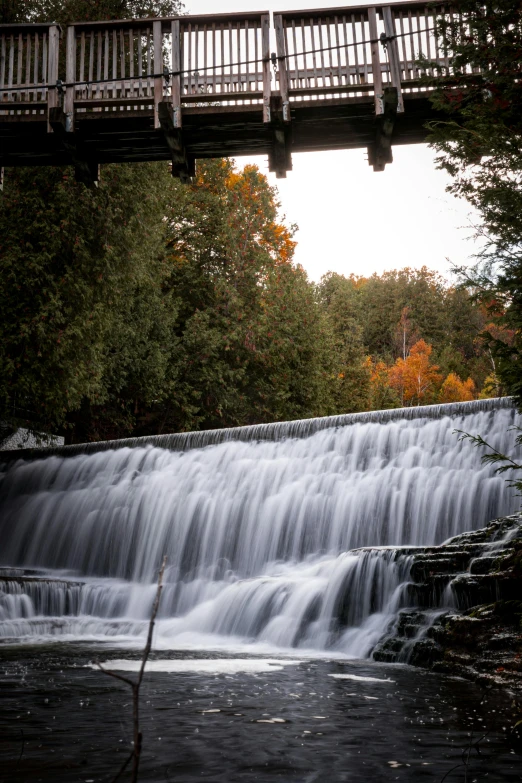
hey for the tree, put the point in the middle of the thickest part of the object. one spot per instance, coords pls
(382, 394)
(455, 390)
(340, 299)
(414, 378)
(480, 146)
(82, 278)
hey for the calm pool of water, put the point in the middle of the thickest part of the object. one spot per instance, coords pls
(245, 718)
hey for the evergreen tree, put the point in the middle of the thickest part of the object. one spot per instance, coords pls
(480, 146)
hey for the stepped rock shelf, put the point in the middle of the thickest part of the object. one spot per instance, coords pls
(479, 636)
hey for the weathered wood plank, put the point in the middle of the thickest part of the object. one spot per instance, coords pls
(376, 62)
(176, 73)
(393, 55)
(267, 75)
(70, 78)
(282, 66)
(158, 69)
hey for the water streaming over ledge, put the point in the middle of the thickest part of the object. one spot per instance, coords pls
(258, 524)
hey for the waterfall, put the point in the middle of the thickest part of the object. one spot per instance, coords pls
(285, 534)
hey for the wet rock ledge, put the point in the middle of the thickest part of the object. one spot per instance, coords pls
(479, 575)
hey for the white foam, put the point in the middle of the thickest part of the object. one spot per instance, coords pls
(359, 678)
(204, 665)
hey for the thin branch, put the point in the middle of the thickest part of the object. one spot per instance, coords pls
(135, 686)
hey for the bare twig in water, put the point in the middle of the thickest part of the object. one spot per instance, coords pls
(22, 750)
(135, 686)
(466, 751)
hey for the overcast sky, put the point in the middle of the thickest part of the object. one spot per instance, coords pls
(345, 211)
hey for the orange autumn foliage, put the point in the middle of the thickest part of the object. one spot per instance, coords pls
(414, 378)
(455, 390)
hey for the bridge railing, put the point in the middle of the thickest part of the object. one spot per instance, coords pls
(331, 53)
(220, 60)
(125, 65)
(28, 64)
(225, 60)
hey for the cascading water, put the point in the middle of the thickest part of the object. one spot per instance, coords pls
(259, 527)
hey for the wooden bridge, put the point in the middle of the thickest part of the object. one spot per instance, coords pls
(193, 87)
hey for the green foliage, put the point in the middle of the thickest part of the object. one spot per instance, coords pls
(83, 310)
(480, 146)
(67, 11)
(494, 457)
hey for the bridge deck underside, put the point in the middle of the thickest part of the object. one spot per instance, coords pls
(209, 132)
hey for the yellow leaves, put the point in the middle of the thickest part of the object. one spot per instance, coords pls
(455, 390)
(491, 387)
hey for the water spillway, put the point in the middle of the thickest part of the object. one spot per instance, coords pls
(286, 535)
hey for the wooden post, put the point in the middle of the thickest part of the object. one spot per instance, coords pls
(393, 55)
(282, 66)
(267, 76)
(158, 69)
(376, 62)
(53, 51)
(176, 75)
(70, 78)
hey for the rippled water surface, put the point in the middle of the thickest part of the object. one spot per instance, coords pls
(228, 718)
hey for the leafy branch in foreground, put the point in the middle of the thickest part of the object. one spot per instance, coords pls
(496, 457)
(137, 742)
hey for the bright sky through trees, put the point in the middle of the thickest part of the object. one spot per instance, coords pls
(353, 220)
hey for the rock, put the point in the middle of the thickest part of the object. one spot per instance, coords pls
(466, 607)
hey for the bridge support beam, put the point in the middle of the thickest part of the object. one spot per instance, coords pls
(85, 169)
(280, 156)
(183, 164)
(380, 153)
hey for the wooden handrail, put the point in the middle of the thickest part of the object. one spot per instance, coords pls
(410, 5)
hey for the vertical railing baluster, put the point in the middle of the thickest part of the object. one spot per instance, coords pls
(11, 67)
(331, 50)
(405, 69)
(214, 57)
(196, 59)
(222, 71)
(36, 65)
(149, 63)
(82, 64)
(295, 83)
(357, 78)
(158, 69)
(70, 78)
(106, 66)
(122, 64)
(267, 76)
(238, 57)
(306, 78)
(337, 25)
(98, 64)
(53, 51)
(140, 64)
(91, 66)
(28, 51)
(3, 55)
(314, 57)
(19, 64)
(131, 62)
(176, 75)
(114, 64)
(43, 94)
